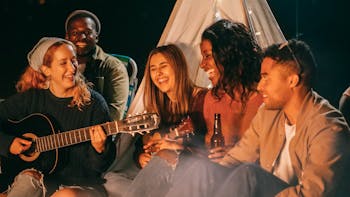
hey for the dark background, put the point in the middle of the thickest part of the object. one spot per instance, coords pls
(133, 28)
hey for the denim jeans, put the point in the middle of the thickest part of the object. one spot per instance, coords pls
(197, 177)
(152, 181)
(26, 185)
(250, 180)
(203, 178)
(117, 183)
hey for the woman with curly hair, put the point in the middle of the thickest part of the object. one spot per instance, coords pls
(231, 57)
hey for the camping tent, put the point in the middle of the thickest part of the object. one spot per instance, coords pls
(190, 17)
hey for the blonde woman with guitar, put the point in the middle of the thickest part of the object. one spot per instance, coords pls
(54, 97)
(171, 94)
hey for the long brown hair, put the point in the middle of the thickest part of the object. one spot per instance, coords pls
(157, 101)
(36, 79)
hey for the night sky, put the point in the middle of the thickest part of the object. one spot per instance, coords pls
(133, 27)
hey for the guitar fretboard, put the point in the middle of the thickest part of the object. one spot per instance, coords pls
(136, 124)
(72, 137)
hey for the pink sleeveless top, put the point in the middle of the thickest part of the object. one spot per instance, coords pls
(233, 121)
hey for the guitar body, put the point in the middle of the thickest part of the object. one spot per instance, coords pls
(46, 162)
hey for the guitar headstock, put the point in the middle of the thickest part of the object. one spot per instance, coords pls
(183, 129)
(139, 123)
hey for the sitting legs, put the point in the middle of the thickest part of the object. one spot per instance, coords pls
(249, 180)
(29, 183)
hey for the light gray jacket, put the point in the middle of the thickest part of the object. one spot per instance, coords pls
(319, 150)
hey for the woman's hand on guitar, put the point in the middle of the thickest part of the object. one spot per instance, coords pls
(153, 146)
(150, 146)
(144, 158)
(182, 130)
(169, 144)
(216, 154)
(19, 146)
(98, 138)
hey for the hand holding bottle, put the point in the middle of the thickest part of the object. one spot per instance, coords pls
(217, 153)
(217, 141)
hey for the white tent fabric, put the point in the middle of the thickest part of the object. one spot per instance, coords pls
(190, 17)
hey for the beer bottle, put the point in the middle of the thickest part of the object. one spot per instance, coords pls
(217, 140)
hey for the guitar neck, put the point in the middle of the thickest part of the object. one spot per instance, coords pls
(68, 138)
(132, 125)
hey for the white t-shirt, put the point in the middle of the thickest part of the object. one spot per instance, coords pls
(283, 167)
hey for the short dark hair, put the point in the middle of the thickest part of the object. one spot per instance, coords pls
(82, 14)
(300, 54)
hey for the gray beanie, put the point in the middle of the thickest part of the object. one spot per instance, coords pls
(36, 55)
(84, 13)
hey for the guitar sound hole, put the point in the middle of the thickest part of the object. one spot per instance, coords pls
(30, 151)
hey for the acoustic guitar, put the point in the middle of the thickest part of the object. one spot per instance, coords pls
(47, 141)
